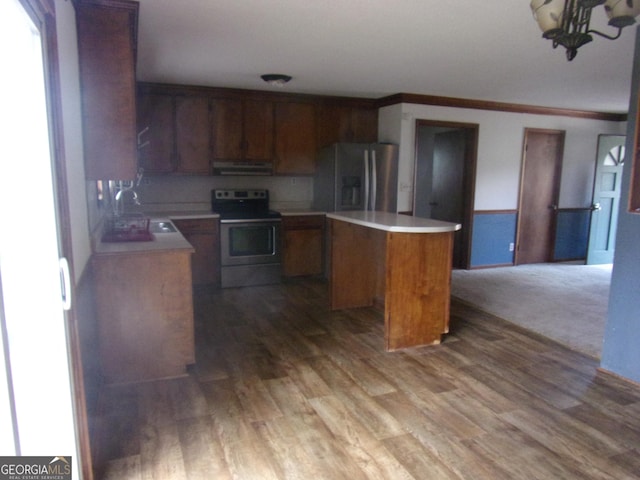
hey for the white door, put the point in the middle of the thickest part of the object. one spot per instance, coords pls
(36, 416)
(606, 198)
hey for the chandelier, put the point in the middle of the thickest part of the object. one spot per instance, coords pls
(566, 22)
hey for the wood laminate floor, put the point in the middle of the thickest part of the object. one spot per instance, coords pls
(283, 388)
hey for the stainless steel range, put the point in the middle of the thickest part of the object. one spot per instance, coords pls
(249, 237)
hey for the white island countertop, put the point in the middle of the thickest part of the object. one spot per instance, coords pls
(394, 222)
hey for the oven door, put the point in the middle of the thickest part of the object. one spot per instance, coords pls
(250, 242)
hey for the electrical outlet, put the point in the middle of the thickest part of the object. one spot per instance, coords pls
(511, 247)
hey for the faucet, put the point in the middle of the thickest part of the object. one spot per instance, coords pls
(119, 198)
(124, 187)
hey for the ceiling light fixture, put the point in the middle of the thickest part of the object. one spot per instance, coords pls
(276, 79)
(566, 22)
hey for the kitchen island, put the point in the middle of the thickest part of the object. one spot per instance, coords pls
(399, 261)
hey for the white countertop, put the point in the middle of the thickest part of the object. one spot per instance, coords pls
(183, 214)
(160, 242)
(394, 222)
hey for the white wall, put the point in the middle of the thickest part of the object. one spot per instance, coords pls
(72, 124)
(500, 151)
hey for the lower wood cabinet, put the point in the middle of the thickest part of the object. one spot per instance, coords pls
(144, 305)
(203, 235)
(302, 245)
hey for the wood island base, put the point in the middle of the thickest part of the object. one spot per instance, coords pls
(410, 273)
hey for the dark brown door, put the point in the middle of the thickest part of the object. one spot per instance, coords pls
(446, 155)
(447, 194)
(539, 191)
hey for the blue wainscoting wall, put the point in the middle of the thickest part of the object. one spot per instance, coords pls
(493, 231)
(572, 234)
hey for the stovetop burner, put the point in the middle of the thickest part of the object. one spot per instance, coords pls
(234, 204)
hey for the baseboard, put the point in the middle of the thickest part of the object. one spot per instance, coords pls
(618, 376)
(495, 265)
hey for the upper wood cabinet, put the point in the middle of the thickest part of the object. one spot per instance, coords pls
(176, 133)
(346, 123)
(191, 127)
(155, 119)
(106, 50)
(193, 140)
(242, 129)
(295, 140)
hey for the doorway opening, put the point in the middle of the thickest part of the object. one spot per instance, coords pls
(444, 178)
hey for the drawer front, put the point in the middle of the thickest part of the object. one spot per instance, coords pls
(303, 221)
(196, 225)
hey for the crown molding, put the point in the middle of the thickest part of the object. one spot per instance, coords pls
(497, 106)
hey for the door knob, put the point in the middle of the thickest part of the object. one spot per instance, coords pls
(596, 206)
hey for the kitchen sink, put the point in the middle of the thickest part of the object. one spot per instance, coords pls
(161, 226)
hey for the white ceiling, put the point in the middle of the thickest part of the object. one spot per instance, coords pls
(490, 50)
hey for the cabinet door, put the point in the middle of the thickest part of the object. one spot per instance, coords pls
(106, 46)
(302, 252)
(364, 125)
(343, 123)
(193, 134)
(295, 147)
(203, 236)
(258, 130)
(205, 266)
(156, 112)
(147, 311)
(334, 124)
(226, 127)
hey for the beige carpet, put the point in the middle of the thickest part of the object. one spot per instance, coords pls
(565, 302)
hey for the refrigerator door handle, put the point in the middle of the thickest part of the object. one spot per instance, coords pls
(374, 179)
(366, 180)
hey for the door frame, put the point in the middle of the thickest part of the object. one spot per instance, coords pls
(556, 190)
(42, 12)
(469, 178)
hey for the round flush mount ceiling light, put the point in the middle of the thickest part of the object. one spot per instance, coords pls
(276, 79)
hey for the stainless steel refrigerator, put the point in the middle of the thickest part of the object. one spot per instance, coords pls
(356, 176)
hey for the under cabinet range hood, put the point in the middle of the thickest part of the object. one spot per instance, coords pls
(242, 168)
